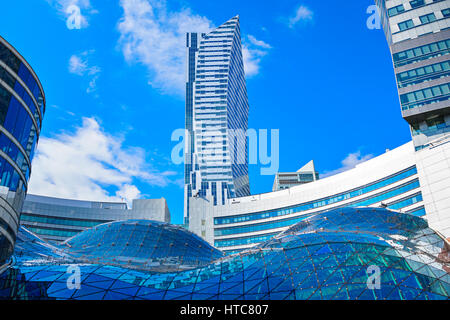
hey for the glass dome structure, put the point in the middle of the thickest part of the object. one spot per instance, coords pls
(327, 256)
(142, 244)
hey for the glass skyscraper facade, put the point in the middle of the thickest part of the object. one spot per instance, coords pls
(22, 107)
(217, 109)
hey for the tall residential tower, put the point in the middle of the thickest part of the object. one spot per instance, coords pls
(216, 117)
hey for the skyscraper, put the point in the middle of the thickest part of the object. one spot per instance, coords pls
(418, 34)
(217, 109)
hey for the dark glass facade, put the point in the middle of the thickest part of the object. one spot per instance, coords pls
(343, 254)
(55, 219)
(22, 106)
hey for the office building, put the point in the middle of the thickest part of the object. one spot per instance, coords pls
(22, 108)
(286, 180)
(216, 160)
(55, 219)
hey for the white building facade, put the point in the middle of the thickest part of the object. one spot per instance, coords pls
(390, 180)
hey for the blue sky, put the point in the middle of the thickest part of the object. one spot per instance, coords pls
(114, 89)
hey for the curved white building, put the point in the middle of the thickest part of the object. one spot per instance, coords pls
(390, 180)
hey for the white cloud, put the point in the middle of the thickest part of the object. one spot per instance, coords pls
(84, 164)
(92, 87)
(302, 13)
(252, 60)
(79, 65)
(258, 43)
(63, 7)
(154, 36)
(253, 51)
(350, 162)
(129, 192)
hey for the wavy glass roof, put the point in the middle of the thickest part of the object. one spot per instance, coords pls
(142, 244)
(327, 256)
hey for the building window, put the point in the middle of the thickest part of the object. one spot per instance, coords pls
(415, 128)
(423, 74)
(436, 123)
(417, 3)
(422, 53)
(405, 25)
(427, 18)
(396, 10)
(446, 13)
(426, 96)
